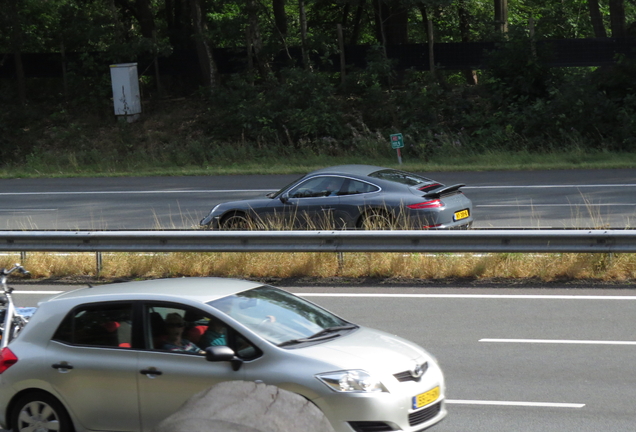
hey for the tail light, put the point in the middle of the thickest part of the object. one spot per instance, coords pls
(426, 204)
(7, 359)
(431, 226)
(429, 187)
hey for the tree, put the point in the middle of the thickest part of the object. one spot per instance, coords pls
(16, 41)
(617, 18)
(464, 29)
(596, 18)
(204, 52)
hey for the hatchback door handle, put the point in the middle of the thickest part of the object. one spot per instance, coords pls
(150, 373)
(62, 367)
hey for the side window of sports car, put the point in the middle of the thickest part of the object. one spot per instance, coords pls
(317, 187)
(106, 325)
(355, 187)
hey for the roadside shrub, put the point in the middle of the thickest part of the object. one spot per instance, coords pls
(302, 107)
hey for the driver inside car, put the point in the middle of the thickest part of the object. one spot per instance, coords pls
(215, 335)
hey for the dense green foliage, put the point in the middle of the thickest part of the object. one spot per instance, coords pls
(517, 104)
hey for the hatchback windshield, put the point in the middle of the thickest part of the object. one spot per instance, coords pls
(280, 317)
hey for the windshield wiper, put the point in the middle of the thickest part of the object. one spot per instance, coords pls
(333, 329)
(328, 333)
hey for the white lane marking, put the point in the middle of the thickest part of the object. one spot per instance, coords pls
(138, 192)
(25, 210)
(549, 186)
(474, 296)
(559, 341)
(514, 403)
(37, 292)
(190, 191)
(560, 205)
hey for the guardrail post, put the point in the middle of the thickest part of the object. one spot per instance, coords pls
(98, 262)
(340, 261)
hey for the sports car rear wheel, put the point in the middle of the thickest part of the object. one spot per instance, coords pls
(39, 412)
(376, 220)
(235, 222)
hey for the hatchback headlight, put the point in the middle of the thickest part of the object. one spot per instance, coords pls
(351, 381)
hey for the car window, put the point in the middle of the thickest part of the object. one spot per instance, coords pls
(408, 179)
(355, 187)
(108, 325)
(276, 315)
(280, 191)
(318, 187)
(181, 329)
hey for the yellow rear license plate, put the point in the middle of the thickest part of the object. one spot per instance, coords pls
(463, 214)
(426, 398)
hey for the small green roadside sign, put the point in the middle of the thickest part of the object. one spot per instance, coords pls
(397, 141)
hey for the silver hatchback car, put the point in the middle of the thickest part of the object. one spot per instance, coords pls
(123, 357)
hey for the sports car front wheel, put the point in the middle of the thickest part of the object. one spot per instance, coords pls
(39, 412)
(235, 222)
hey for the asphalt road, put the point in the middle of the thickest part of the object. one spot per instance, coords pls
(527, 199)
(557, 360)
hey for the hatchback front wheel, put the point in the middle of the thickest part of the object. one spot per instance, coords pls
(40, 412)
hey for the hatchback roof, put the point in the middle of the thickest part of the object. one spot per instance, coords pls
(200, 289)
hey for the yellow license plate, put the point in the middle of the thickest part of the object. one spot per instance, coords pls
(463, 214)
(426, 398)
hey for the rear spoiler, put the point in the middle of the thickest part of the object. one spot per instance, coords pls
(448, 190)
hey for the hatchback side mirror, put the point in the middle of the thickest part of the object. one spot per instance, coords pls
(223, 353)
(284, 198)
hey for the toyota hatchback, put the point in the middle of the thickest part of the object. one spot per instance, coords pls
(123, 357)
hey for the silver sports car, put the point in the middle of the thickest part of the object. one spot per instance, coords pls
(123, 357)
(350, 197)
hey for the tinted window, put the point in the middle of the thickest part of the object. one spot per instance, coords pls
(317, 187)
(400, 177)
(278, 193)
(98, 325)
(354, 187)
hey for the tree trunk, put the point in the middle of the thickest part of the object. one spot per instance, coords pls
(16, 46)
(501, 15)
(464, 30)
(280, 18)
(428, 24)
(179, 23)
(303, 33)
(256, 41)
(397, 24)
(204, 53)
(596, 18)
(380, 23)
(617, 18)
(146, 18)
(357, 23)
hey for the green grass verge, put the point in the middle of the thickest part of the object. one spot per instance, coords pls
(491, 161)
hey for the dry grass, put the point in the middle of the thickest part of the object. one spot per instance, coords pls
(512, 267)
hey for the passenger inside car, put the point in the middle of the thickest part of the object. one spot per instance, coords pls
(174, 340)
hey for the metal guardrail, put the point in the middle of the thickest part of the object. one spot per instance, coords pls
(495, 241)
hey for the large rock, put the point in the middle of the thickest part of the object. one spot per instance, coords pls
(242, 406)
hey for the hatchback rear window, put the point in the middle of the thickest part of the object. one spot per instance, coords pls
(400, 177)
(97, 325)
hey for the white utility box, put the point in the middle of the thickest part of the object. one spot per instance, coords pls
(126, 97)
